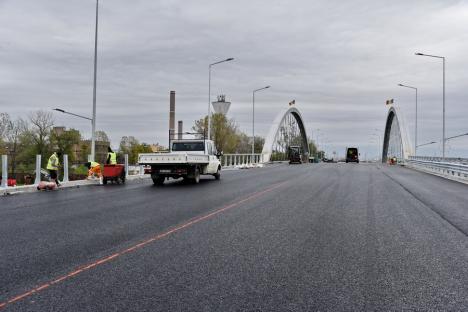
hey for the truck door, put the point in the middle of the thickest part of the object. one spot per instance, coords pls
(213, 164)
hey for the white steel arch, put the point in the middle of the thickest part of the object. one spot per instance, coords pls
(396, 119)
(275, 127)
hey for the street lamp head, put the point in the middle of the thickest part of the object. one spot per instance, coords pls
(229, 59)
(417, 53)
(267, 87)
(400, 85)
(59, 110)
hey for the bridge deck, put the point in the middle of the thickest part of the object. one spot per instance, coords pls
(299, 237)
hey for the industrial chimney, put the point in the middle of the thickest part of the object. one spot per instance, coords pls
(172, 115)
(180, 129)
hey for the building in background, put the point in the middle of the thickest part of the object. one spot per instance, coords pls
(221, 106)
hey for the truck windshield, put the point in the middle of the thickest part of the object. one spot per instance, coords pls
(352, 152)
(187, 146)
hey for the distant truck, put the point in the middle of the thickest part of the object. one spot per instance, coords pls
(295, 155)
(187, 159)
(352, 155)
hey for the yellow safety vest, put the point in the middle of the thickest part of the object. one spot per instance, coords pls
(113, 158)
(53, 162)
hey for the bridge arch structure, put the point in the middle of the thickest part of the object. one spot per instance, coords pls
(286, 130)
(396, 140)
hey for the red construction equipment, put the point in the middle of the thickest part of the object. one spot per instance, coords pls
(114, 173)
(10, 182)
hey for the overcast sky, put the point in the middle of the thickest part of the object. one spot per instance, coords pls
(340, 61)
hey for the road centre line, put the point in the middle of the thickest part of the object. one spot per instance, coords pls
(135, 247)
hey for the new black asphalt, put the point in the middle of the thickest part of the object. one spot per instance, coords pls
(326, 237)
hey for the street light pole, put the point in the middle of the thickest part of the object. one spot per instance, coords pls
(416, 118)
(443, 97)
(209, 91)
(93, 135)
(73, 114)
(433, 142)
(253, 118)
(456, 136)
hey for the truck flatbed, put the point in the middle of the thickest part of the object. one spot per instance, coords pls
(172, 158)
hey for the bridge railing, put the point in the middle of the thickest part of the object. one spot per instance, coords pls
(453, 168)
(456, 160)
(39, 172)
(233, 160)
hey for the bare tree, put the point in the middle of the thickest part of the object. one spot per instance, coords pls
(4, 122)
(102, 136)
(13, 135)
(42, 123)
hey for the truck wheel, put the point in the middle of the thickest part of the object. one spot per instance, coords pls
(159, 180)
(196, 176)
(217, 175)
(104, 181)
(122, 178)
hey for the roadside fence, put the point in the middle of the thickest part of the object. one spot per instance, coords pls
(233, 160)
(452, 168)
(130, 170)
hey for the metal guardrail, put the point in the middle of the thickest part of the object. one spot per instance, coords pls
(456, 160)
(447, 168)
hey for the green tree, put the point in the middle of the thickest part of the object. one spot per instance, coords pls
(102, 136)
(65, 141)
(26, 154)
(312, 148)
(224, 132)
(131, 146)
(244, 145)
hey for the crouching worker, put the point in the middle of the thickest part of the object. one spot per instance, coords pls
(94, 169)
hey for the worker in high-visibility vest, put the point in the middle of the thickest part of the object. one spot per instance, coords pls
(111, 157)
(53, 166)
(94, 169)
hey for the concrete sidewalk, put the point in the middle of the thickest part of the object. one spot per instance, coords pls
(78, 183)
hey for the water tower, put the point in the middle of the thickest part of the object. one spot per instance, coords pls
(221, 106)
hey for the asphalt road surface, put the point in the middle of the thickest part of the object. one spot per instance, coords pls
(328, 237)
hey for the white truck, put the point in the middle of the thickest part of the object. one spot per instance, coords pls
(187, 159)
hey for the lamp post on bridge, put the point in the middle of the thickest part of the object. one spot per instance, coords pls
(416, 118)
(443, 97)
(209, 91)
(433, 142)
(253, 119)
(456, 136)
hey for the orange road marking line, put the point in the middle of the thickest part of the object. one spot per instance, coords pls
(138, 246)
